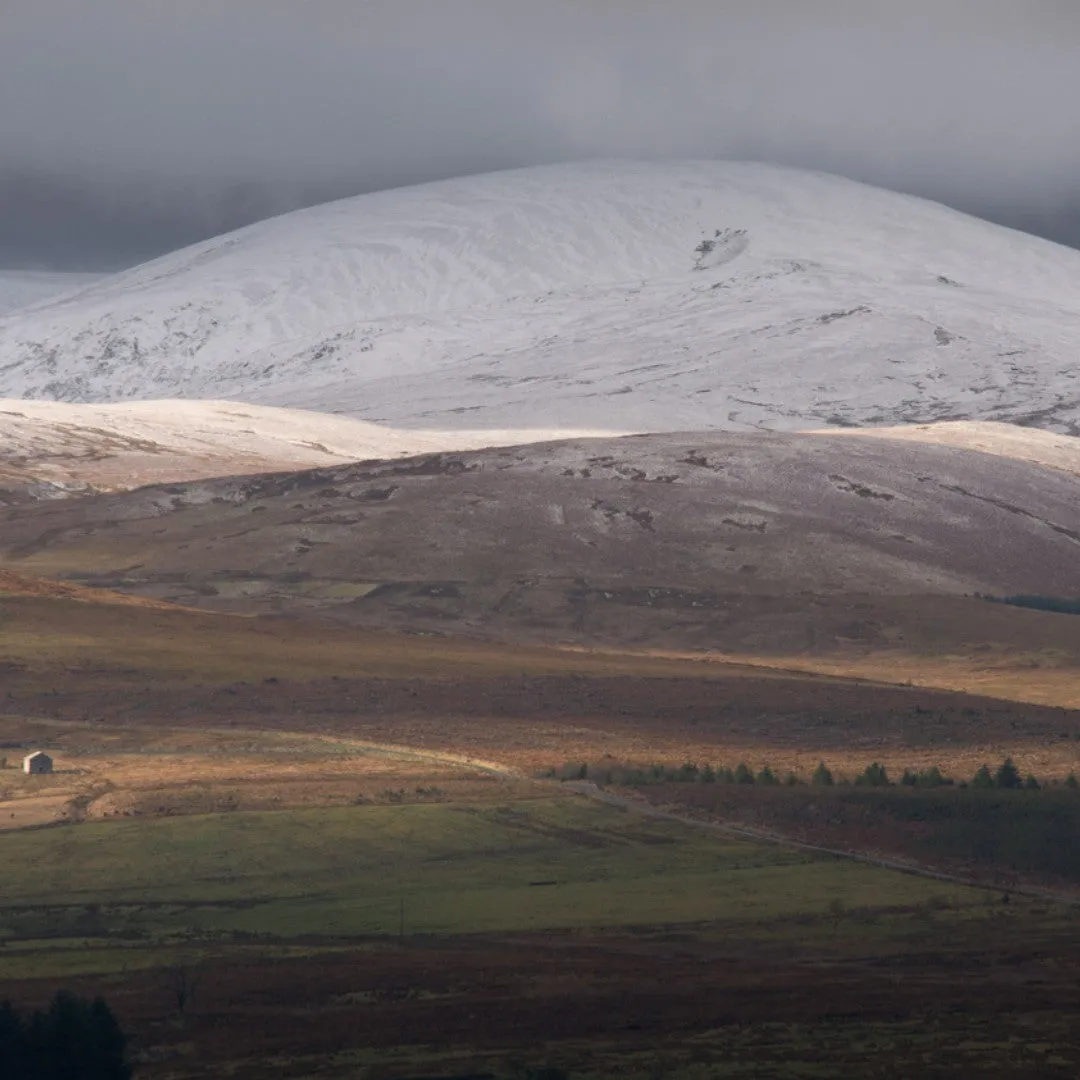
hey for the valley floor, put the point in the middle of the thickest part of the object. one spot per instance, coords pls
(344, 846)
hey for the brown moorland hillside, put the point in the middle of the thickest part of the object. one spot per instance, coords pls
(650, 541)
(529, 706)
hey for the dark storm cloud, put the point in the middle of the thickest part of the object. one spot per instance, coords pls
(131, 126)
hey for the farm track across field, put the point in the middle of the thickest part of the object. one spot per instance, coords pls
(587, 789)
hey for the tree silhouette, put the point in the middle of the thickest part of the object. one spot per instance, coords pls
(182, 982)
(743, 775)
(74, 1039)
(874, 775)
(1008, 776)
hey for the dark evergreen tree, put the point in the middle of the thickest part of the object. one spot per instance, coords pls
(1008, 776)
(931, 778)
(822, 776)
(982, 778)
(874, 775)
(743, 775)
(73, 1039)
(13, 1047)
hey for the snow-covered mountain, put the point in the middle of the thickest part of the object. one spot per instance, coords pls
(23, 288)
(51, 449)
(606, 295)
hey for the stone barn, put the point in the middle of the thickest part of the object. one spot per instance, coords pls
(37, 763)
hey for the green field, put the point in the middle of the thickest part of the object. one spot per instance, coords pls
(454, 869)
(552, 917)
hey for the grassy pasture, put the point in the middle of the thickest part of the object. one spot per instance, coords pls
(541, 931)
(457, 868)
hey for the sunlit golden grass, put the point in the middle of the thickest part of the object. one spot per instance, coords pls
(105, 772)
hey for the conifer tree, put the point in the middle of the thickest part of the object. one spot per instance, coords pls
(743, 775)
(1008, 776)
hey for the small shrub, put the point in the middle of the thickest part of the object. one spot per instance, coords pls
(874, 775)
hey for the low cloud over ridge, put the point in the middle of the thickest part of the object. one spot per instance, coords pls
(129, 129)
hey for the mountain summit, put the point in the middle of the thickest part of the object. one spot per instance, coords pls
(607, 295)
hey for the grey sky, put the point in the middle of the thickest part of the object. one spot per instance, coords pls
(128, 127)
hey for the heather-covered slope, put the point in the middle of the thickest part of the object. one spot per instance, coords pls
(651, 539)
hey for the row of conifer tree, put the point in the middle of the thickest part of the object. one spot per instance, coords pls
(1006, 777)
